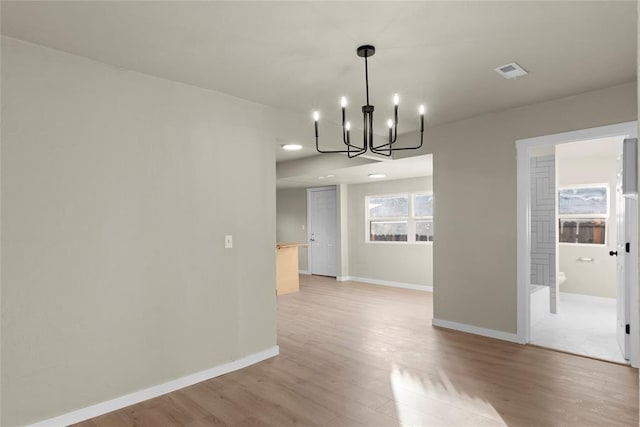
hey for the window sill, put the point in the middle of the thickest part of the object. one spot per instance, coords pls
(399, 243)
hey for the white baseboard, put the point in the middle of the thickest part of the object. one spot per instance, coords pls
(569, 296)
(491, 333)
(305, 272)
(157, 390)
(425, 288)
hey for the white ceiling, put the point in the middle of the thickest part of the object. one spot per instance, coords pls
(300, 56)
(410, 167)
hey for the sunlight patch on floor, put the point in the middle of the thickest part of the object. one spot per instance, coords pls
(425, 402)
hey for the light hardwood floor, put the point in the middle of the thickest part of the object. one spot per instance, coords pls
(362, 355)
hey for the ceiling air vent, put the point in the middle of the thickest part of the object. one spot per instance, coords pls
(510, 71)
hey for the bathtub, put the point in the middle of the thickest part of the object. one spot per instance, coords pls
(540, 298)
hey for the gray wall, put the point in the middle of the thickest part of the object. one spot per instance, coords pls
(117, 191)
(597, 278)
(392, 262)
(291, 220)
(475, 183)
(405, 263)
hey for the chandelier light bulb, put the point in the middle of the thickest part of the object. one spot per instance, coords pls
(343, 101)
(396, 99)
(348, 126)
(316, 116)
(421, 110)
(390, 123)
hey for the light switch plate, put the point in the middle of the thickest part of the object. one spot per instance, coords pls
(228, 241)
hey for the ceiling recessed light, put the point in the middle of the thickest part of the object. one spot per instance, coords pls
(292, 147)
(321, 177)
(510, 71)
(330, 175)
(377, 175)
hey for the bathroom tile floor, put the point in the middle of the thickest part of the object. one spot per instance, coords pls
(584, 325)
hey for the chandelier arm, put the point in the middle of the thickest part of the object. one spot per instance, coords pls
(339, 151)
(406, 148)
(346, 138)
(359, 150)
(386, 153)
(392, 137)
(409, 148)
(388, 144)
(357, 153)
(421, 137)
(395, 123)
(336, 151)
(374, 149)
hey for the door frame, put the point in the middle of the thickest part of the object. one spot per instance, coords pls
(523, 146)
(310, 250)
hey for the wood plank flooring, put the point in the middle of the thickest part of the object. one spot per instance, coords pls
(363, 355)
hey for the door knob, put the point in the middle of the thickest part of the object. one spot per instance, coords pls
(612, 253)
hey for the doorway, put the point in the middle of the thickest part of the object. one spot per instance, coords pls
(572, 295)
(322, 228)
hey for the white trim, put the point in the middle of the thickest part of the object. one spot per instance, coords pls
(304, 272)
(523, 146)
(157, 390)
(523, 198)
(462, 327)
(571, 296)
(399, 242)
(325, 188)
(629, 129)
(414, 286)
(632, 267)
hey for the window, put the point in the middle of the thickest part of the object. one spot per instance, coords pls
(583, 213)
(400, 218)
(423, 215)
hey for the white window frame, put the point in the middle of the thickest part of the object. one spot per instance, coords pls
(587, 217)
(410, 219)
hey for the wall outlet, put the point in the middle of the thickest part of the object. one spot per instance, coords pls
(228, 241)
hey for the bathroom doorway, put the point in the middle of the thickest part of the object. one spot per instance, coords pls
(574, 209)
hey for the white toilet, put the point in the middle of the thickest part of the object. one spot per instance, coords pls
(561, 278)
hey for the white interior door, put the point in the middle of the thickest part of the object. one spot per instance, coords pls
(322, 228)
(621, 296)
(624, 210)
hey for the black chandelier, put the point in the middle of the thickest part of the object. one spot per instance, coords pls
(387, 149)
